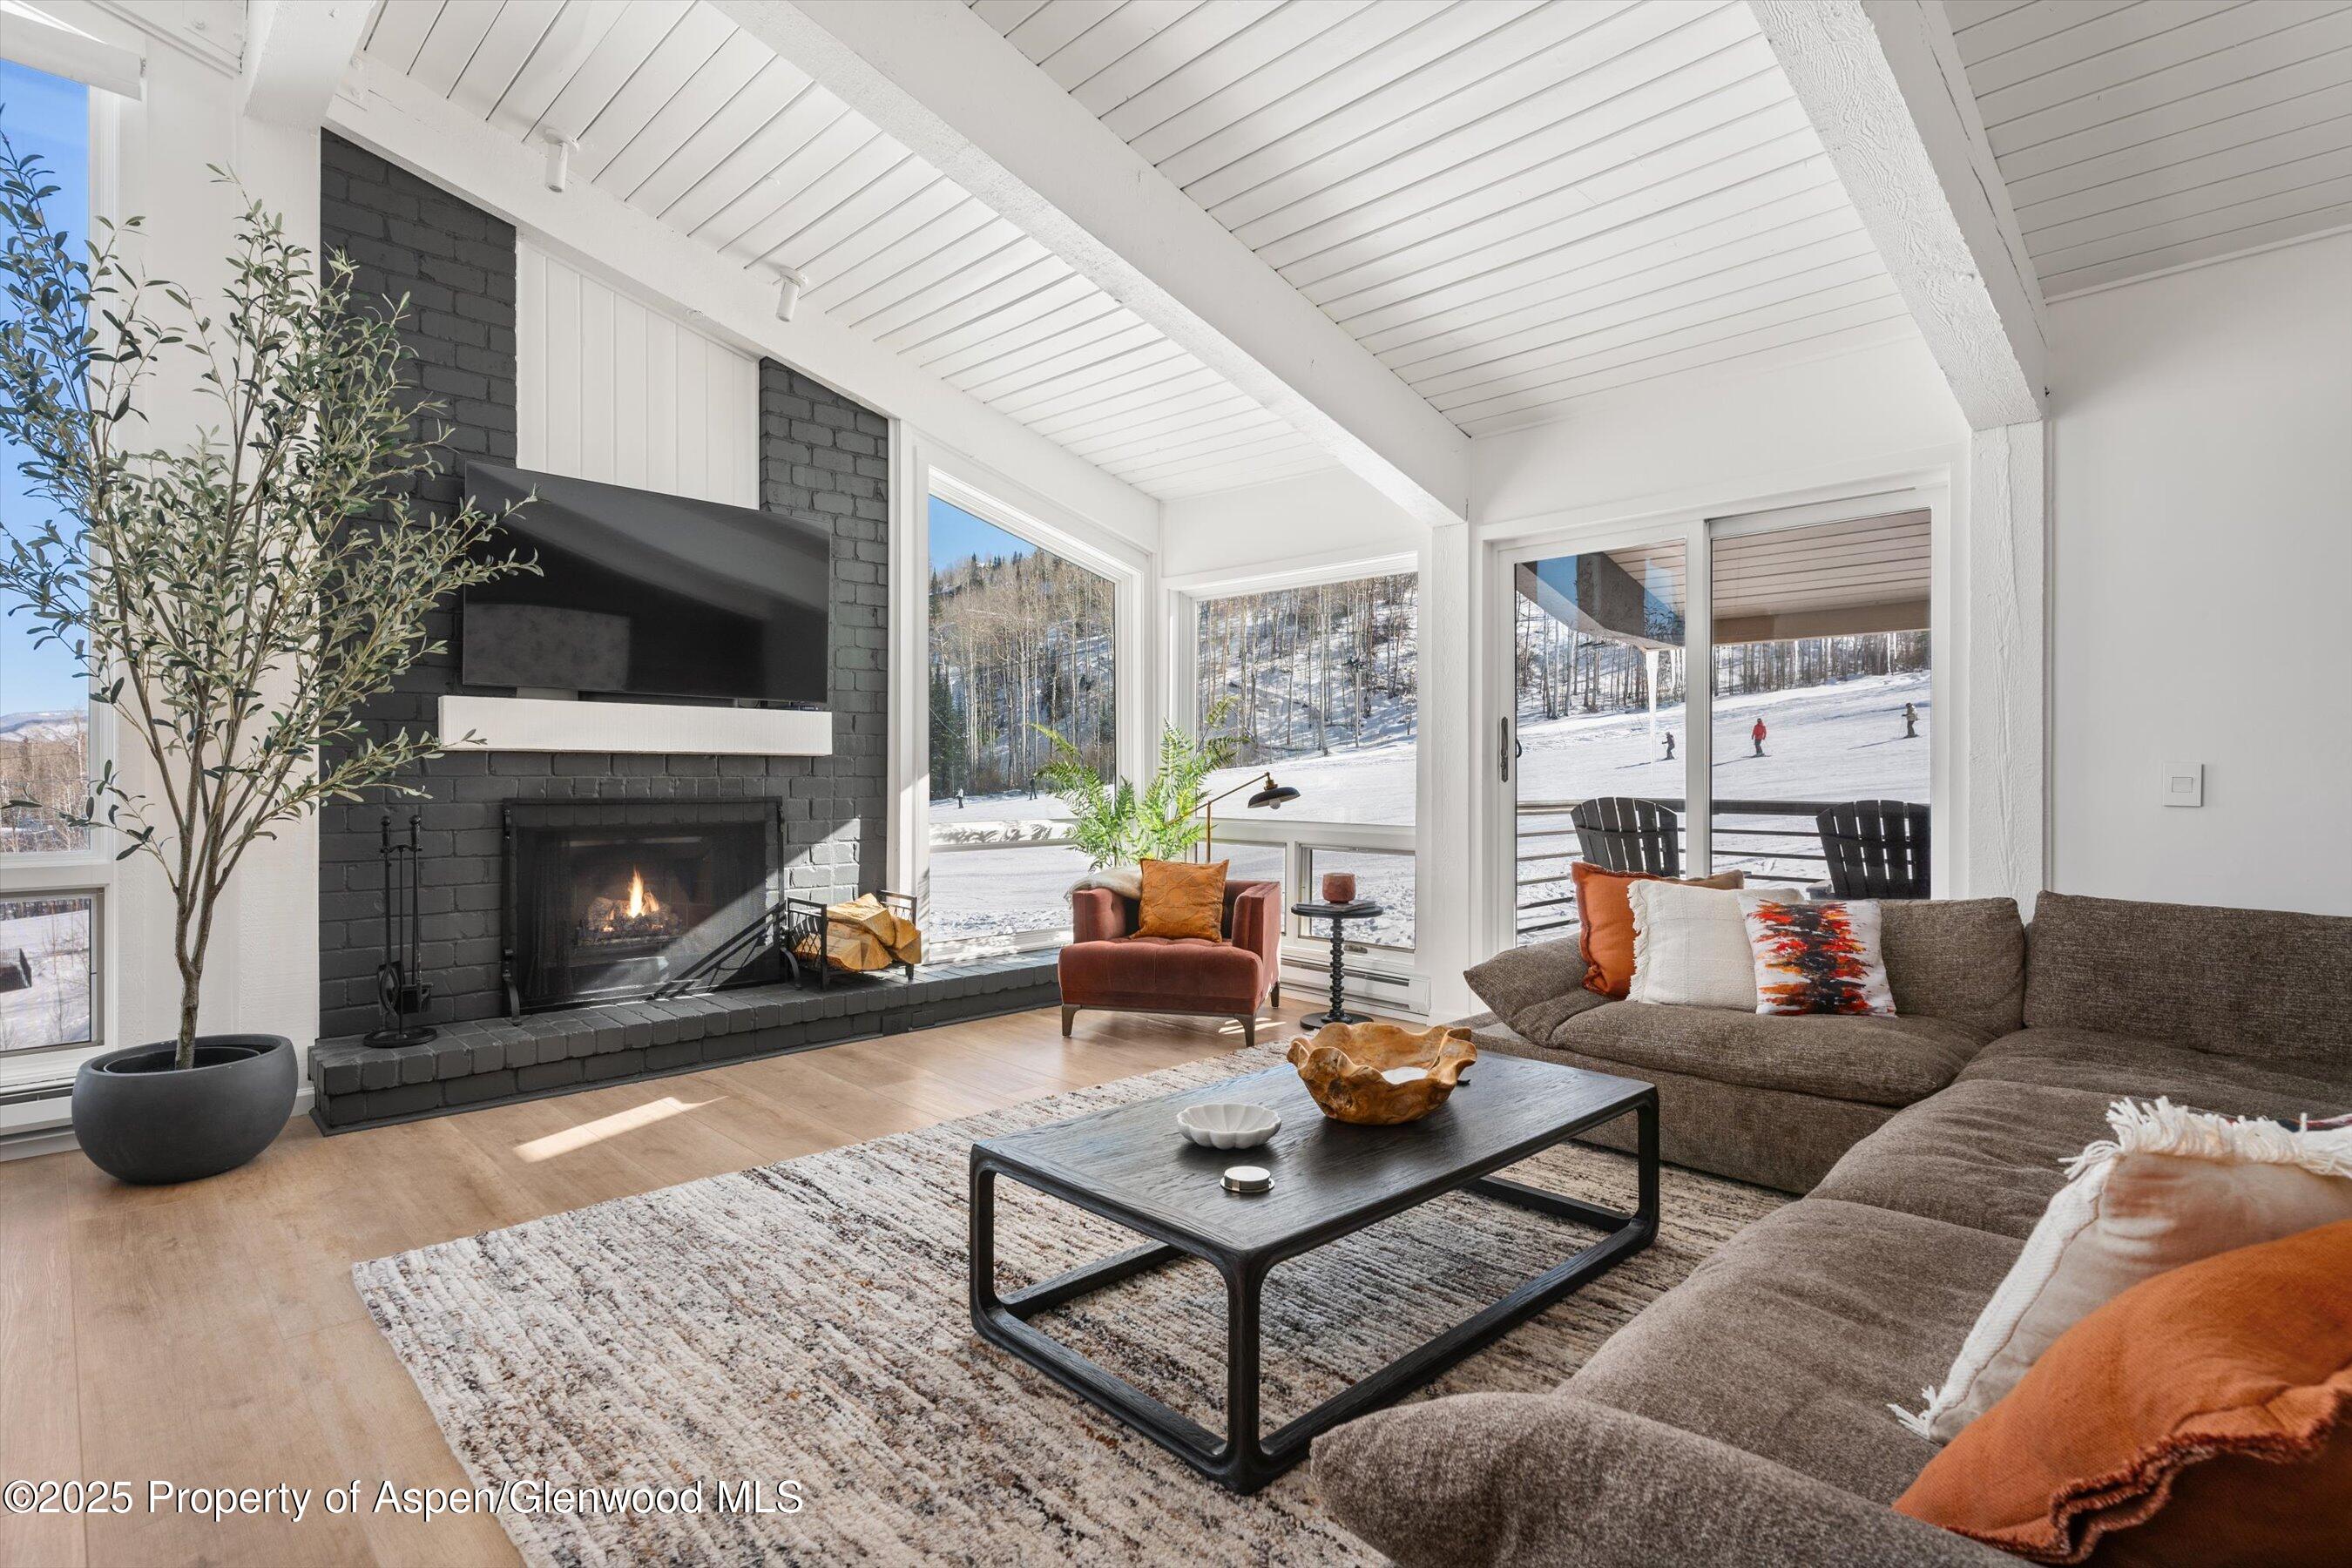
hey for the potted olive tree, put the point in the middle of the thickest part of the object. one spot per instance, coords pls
(236, 593)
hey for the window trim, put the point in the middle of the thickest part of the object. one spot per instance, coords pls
(94, 870)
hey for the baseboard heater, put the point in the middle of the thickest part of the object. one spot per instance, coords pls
(1402, 991)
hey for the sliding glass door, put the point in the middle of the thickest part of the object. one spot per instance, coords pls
(1596, 723)
(1749, 693)
(1821, 690)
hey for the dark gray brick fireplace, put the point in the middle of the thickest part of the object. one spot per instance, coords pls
(821, 456)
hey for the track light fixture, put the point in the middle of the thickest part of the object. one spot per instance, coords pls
(789, 284)
(559, 160)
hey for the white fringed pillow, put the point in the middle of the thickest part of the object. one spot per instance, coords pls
(1690, 945)
(2172, 1186)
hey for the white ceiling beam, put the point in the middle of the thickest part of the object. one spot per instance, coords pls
(942, 81)
(60, 49)
(1883, 84)
(395, 118)
(296, 52)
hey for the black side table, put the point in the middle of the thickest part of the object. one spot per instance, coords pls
(1339, 915)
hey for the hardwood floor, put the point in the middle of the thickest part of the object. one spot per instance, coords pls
(208, 1334)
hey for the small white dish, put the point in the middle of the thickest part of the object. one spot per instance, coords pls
(1228, 1124)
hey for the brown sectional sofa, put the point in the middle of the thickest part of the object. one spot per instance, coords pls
(1777, 1100)
(1742, 1417)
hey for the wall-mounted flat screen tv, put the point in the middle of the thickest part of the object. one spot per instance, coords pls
(642, 595)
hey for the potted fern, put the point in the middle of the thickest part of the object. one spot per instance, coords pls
(1116, 824)
(236, 595)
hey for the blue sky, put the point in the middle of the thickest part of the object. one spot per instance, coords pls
(46, 115)
(957, 536)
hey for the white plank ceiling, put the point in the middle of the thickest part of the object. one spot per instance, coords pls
(1513, 204)
(684, 117)
(2138, 135)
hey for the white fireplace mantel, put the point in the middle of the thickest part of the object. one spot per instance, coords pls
(549, 724)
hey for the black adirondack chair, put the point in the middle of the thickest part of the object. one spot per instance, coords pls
(1876, 848)
(1619, 833)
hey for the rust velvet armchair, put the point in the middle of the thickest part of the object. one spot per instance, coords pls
(1107, 968)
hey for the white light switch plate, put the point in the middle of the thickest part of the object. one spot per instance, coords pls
(2184, 784)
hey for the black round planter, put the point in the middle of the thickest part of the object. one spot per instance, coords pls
(141, 1119)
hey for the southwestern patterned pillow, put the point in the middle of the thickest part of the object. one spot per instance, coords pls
(1816, 957)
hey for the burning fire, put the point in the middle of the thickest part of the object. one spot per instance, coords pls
(633, 916)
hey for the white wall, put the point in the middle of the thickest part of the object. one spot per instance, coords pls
(1660, 444)
(1328, 515)
(2203, 583)
(608, 389)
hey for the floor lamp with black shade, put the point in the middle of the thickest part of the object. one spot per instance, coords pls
(1269, 794)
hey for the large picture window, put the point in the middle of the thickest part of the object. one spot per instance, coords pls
(1021, 651)
(49, 924)
(43, 698)
(1319, 684)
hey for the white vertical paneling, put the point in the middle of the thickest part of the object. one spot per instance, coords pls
(746, 425)
(596, 340)
(661, 435)
(632, 410)
(616, 391)
(531, 370)
(689, 403)
(559, 341)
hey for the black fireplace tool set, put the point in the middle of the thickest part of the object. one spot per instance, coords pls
(401, 992)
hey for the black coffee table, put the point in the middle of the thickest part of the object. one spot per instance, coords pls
(1131, 1166)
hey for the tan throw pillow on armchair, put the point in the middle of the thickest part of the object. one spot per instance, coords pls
(2173, 1186)
(1182, 899)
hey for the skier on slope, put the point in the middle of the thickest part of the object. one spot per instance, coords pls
(1910, 722)
(1757, 735)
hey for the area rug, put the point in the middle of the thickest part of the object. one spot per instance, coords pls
(806, 1323)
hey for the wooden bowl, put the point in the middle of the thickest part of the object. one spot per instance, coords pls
(1343, 1064)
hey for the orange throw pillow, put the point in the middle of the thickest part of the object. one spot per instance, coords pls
(2204, 1416)
(1181, 899)
(1605, 921)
